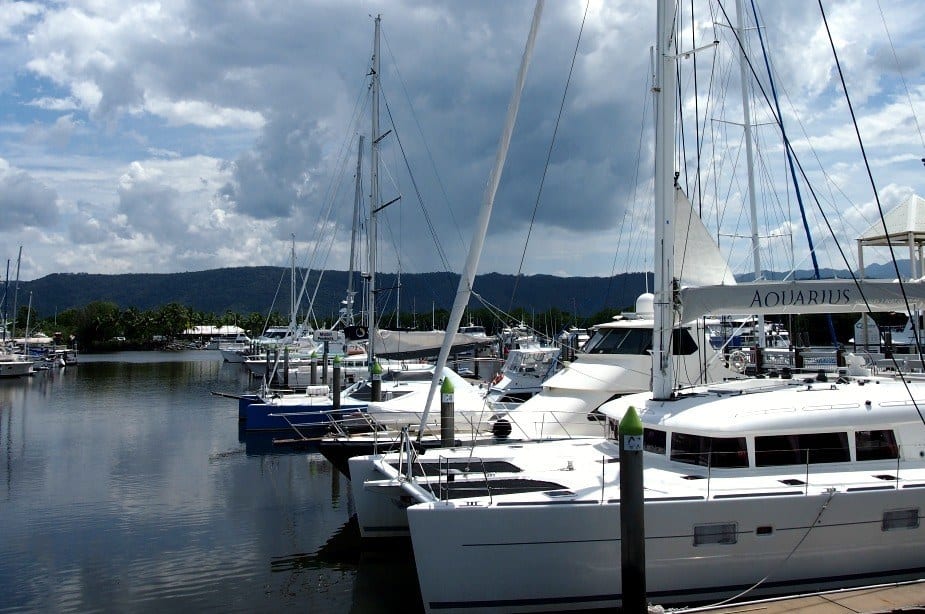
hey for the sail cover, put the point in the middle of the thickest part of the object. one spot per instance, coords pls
(697, 259)
(808, 296)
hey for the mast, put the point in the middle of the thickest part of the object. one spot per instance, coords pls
(6, 299)
(25, 343)
(665, 91)
(464, 291)
(292, 299)
(357, 199)
(16, 295)
(749, 159)
(373, 196)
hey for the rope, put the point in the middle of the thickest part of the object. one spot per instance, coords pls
(809, 529)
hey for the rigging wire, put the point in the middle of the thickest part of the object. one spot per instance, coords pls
(638, 162)
(414, 185)
(873, 185)
(552, 143)
(788, 149)
(430, 156)
(901, 77)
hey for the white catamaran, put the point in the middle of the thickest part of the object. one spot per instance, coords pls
(757, 487)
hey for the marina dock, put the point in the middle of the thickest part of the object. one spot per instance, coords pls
(903, 597)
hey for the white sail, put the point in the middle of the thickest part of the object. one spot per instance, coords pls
(697, 261)
(803, 297)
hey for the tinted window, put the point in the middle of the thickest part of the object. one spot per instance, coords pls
(653, 441)
(875, 445)
(682, 344)
(799, 449)
(715, 534)
(709, 451)
(621, 341)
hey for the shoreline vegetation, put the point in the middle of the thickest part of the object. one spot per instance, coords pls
(103, 326)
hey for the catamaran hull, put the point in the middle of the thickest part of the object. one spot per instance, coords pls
(565, 556)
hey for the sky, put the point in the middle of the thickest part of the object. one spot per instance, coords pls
(185, 135)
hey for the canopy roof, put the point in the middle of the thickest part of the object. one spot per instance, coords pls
(908, 218)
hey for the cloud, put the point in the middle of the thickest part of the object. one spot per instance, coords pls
(13, 15)
(24, 200)
(278, 174)
(171, 135)
(55, 104)
(57, 134)
(85, 229)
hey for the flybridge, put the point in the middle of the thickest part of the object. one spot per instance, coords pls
(811, 296)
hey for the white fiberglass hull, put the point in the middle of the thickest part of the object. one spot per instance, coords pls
(15, 367)
(566, 555)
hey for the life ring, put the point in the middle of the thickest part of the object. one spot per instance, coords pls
(497, 379)
(738, 360)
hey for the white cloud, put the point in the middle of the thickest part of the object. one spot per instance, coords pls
(173, 135)
(15, 14)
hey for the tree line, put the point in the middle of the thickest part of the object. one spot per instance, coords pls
(105, 326)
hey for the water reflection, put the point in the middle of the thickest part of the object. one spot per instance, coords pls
(126, 488)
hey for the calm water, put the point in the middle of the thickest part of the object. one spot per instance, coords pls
(127, 487)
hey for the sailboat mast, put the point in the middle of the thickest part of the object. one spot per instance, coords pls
(373, 196)
(16, 295)
(749, 158)
(357, 199)
(464, 291)
(292, 299)
(6, 299)
(665, 91)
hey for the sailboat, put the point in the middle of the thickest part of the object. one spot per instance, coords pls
(752, 488)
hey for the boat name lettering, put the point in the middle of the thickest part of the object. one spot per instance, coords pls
(784, 298)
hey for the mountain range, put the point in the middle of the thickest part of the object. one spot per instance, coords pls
(264, 289)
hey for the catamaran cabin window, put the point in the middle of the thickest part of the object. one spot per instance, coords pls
(875, 445)
(900, 519)
(724, 533)
(653, 440)
(719, 452)
(771, 450)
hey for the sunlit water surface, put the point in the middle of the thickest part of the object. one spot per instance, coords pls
(128, 487)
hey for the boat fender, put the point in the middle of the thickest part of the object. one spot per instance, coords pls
(501, 429)
(498, 377)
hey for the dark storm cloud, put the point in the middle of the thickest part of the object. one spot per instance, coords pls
(458, 96)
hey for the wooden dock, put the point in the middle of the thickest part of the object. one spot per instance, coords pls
(906, 597)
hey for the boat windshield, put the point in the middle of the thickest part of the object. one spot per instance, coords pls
(637, 341)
